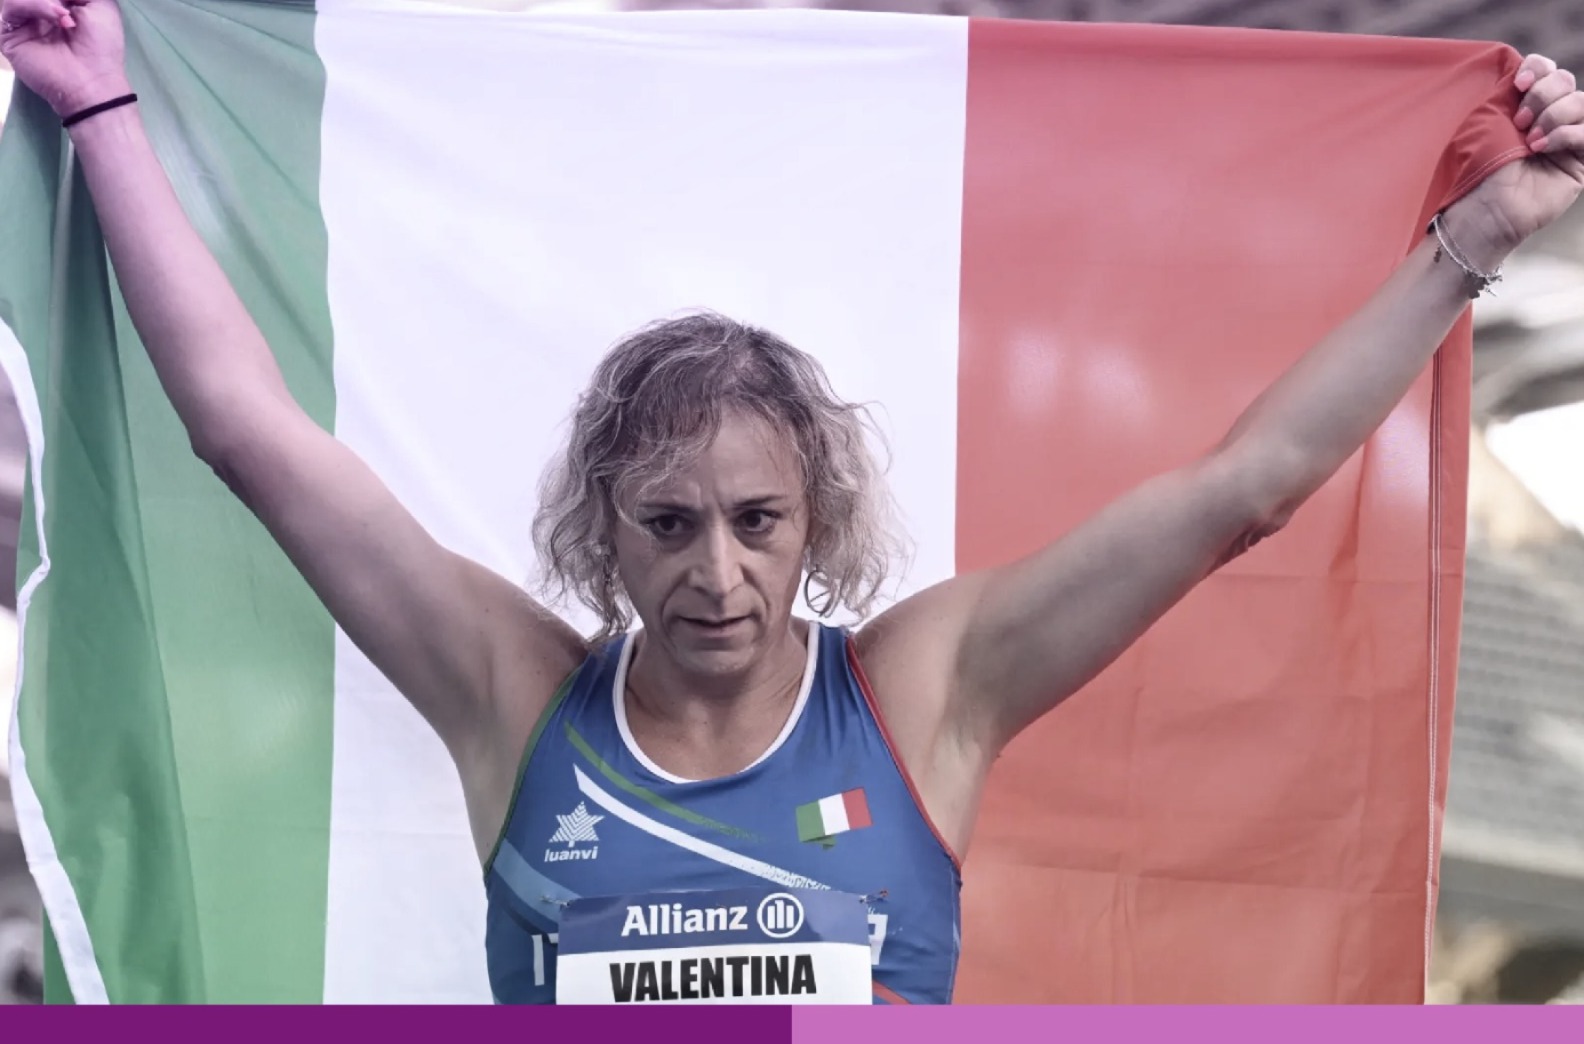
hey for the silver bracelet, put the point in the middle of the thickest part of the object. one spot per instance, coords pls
(1478, 282)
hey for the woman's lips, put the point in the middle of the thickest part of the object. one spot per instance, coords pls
(714, 626)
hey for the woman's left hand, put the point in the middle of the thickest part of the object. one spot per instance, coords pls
(1523, 197)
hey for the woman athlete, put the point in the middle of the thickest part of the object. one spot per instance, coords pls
(725, 744)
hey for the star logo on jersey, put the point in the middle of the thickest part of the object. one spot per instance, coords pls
(576, 827)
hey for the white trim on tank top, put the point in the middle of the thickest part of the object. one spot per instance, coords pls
(619, 705)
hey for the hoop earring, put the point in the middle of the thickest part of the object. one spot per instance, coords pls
(826, 596)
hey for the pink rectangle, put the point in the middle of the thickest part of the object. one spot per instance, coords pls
(1155, 1025)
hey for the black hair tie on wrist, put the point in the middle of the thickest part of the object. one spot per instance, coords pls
(94, 110)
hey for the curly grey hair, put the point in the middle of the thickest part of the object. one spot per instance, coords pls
(655, 404)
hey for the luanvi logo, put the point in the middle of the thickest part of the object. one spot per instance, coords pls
(576, 827)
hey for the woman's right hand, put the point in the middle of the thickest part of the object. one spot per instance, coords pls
(71, 53)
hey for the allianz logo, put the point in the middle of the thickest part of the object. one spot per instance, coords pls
(779, 916)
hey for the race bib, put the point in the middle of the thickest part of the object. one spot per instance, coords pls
(739, 946)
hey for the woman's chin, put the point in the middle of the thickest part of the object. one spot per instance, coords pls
(715, 650)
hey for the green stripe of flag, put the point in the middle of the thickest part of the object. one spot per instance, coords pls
(177, 698)
(810, 826)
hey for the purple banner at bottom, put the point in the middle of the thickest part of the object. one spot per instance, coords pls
(1177, 1025)
(760, 1025)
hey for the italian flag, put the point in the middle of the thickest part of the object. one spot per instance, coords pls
(1058, 258)
(833, 815)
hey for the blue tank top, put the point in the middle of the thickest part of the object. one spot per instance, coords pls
(593, 816)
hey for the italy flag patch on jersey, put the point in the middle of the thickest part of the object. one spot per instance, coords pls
(837, 814)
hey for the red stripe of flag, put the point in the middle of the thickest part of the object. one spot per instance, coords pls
(1147, 243)
(857, 809)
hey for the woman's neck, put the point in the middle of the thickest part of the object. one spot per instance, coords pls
(702, 727)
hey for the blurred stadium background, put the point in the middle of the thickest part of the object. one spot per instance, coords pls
(1510, 927)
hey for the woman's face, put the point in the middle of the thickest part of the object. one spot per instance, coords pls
(715, 559)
